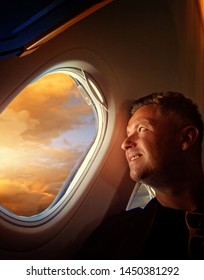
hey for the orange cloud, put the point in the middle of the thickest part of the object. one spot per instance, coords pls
(45, 107)
(32, 169)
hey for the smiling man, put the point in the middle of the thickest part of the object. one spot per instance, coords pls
(163, 150)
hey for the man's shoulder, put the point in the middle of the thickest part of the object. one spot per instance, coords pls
(107, 238)
(130, 217)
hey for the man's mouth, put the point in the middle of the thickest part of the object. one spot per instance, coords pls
(135, 157)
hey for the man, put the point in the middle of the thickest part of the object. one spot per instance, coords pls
(163, 150)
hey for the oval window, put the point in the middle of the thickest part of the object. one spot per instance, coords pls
(45, 131)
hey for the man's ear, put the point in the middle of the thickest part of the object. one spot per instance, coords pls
(189, 135)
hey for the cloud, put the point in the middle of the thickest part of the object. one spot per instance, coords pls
(36, 148)
(33, 179)
(43, 109)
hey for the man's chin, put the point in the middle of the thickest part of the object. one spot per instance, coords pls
(141, 178)
(135, 177)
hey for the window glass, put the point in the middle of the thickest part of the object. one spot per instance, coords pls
(45, 131)
(141, 195)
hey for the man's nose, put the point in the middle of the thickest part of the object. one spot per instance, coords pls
(128, 143)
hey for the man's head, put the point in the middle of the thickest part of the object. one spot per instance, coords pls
(163, 128)
(173, 102)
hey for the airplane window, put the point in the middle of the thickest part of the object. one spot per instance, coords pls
(46, 133)
(141, 195)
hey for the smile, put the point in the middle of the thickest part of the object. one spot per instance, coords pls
(135, 157)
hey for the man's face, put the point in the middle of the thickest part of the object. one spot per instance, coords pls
(152, 145)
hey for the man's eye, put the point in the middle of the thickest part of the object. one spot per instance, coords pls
(142, 129)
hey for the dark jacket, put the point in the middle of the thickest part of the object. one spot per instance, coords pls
(155, 232)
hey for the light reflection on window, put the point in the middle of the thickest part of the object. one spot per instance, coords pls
(44, 131)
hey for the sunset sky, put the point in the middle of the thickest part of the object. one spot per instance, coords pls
(41, 140)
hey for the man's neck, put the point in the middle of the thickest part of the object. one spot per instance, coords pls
(189, 196)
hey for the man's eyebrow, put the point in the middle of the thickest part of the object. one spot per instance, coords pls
(147, 120)
(137, 122)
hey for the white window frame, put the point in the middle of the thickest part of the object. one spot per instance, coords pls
(92, 94)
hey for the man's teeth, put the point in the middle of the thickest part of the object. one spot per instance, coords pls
(134, 157)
